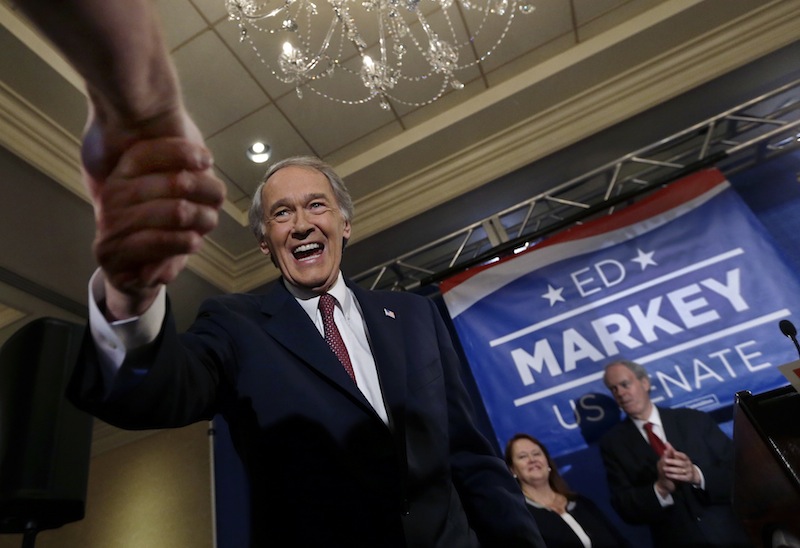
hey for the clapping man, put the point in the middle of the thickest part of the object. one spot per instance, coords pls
(670, 469)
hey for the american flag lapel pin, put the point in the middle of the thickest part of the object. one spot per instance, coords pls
(389, 313)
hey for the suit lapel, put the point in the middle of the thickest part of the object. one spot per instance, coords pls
(385, 332)
(672, 430)
(640, 446)
(388, 349)
(286, 322)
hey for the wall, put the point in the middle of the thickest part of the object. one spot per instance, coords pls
(155, 492)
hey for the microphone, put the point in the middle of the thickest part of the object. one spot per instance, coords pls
(788, 329)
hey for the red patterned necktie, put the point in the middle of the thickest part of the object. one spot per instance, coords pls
(327, 303)
(655, 442)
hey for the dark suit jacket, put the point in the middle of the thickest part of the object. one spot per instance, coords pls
(323, 468)
(698, 517)
(557, 534)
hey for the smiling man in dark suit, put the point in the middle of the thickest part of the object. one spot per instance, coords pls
(350, 417)
(670, 469)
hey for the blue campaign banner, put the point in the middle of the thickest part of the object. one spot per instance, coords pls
(685, 282)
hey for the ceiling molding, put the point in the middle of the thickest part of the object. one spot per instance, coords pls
(22, 30)
(232, 274)
(641, 87)
(258, 271)
(37, 139)
(239, 216)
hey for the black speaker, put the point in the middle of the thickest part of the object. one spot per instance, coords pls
(45, 442)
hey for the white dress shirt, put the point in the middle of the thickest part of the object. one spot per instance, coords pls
(569, 520)
(350, 321)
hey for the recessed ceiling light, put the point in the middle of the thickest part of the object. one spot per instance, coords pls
(258, 152)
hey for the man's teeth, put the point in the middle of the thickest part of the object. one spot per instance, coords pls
(307, 248)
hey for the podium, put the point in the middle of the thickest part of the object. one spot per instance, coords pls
(766, 490)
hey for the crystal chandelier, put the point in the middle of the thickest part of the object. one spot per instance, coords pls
(405, 51)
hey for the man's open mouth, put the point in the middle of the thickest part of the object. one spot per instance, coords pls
(307, 250)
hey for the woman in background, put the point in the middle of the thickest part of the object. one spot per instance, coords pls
(566, 519)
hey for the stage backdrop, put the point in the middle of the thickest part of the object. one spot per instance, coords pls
(686, 282)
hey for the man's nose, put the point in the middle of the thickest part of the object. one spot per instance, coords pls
(301, 223)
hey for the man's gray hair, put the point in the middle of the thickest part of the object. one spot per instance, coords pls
(340, 192)
(637, 369)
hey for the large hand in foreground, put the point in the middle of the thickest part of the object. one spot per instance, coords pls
(106, 136)
(151, 211)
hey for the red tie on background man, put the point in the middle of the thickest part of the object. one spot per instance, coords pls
(655, 442)
(327, 303)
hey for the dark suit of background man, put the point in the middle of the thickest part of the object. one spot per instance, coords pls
(685, 495)
(393, 459)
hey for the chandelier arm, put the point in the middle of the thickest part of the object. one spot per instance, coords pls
(429, 32)
(382, 35)
(238, 10)
(407, 32)
(497, 42)
(326, 42)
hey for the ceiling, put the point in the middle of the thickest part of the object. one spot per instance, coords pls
(567, 71)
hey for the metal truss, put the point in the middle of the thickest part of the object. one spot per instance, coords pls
(734, 140)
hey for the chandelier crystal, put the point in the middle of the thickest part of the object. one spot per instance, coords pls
(404, 51)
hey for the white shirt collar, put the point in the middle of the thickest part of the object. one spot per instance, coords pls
(310, 301)
(655, 418)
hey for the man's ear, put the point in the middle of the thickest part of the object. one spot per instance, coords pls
(347, 230)
(263, 247)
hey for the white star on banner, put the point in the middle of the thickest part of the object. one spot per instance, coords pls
(553, 295)
(644, 259)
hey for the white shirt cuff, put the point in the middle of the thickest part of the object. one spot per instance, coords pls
(702, 484)
(114, 339)
(663, 501)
